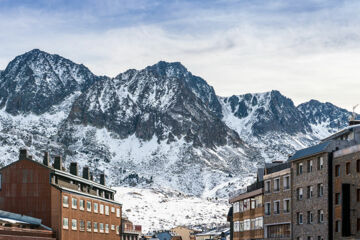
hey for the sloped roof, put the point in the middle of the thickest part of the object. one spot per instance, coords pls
(306, 152)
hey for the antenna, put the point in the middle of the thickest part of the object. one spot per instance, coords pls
(353, 117)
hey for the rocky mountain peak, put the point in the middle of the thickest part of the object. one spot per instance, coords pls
(36, 81)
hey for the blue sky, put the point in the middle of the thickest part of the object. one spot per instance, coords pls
(307, 49)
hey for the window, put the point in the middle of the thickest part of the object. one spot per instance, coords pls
(309, 192)
(300, 193)
(337, 198)
(118, 212)
(320, 190)
(299, 168)
(309, 217)
(267, 208)
(82, 204)
(246, 224)
(101, 227)
(101, 209)
(320, 163)
(277, 184)
(321, 216)
(320, 238)
(241, 206)
(113, 226)
(286, 205)
(65, 201)
(236, 207)
(106, 228)
(88, 206)
(310, 165)
(241, 226)
(0, 181)
(309, 238)
(117, 229)
(337, 170)
(253, 203)
(96, 207)
(347, 167)
(237, 226)
(286, 182)
(74, 203)
(357, 167)
(267, 186)
(113, 210)
(246, 204)
(88, 226)
(358, 195)
(73, 224)
(82, 225)
(337, 226)
(299, 217)
(259, 223)
(358, 225)
(65, 223)
(107, 210)
(95, 226)
(276, 207)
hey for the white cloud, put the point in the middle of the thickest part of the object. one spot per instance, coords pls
(308, 55)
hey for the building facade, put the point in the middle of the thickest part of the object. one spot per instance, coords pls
(129, 230)
(248, 213)
(277, 201)
(74, 207)
(346, 193)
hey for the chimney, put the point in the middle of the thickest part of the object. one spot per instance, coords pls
(91, 176)
(86, 173)
(46, 160)
(23, 154)
(74, 168)
(58, 163)
(102, 179)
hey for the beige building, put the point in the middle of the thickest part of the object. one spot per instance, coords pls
(184, 232)
(277, 201)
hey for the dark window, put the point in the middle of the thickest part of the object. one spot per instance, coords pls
(358, 165)
(337, 198)
(0, 180)
(337, 226)
(337, 170)
(358, 225)
(358, 195)
(347, 168)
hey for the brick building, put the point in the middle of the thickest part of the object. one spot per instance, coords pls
(129, 230)
(277, 201)
(74, 207)
(248, 213)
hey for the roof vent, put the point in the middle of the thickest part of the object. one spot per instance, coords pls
(86, 172)
(46, 160)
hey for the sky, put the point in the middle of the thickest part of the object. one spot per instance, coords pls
(306, 49)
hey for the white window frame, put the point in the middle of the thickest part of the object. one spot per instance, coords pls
(278, 208)
(83, 204)
(96, 207)
(88, 206)
(269, 208)
(67, 223)
(72, 224)
(87, 226)
(321, 216)
(247, 224)
(96, 226)
(106, 228)
(118, 212)
(101, 227)
(117, 229)
(73, 200)
(81, 221)
(321, 190)
(301, 217)
(278, 189)
(107, 210)
(101, 209)
(112, 209)
(268, 186)
(286, 186)
(236, 207)
(300, 193)
(321, 164)
(112, 227)
(67, 200)
(284, 205)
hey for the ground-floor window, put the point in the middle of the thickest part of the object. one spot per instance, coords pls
(278, 231)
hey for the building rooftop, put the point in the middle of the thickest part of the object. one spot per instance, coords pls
(310, 151)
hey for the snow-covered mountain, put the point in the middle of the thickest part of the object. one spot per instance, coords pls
(159, 127)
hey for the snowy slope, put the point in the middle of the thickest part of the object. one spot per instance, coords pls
(159, 209)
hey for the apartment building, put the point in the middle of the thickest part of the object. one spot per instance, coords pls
(129, 230)
(346, 193)
(74, 207)
(248, 213)
(277, 201)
